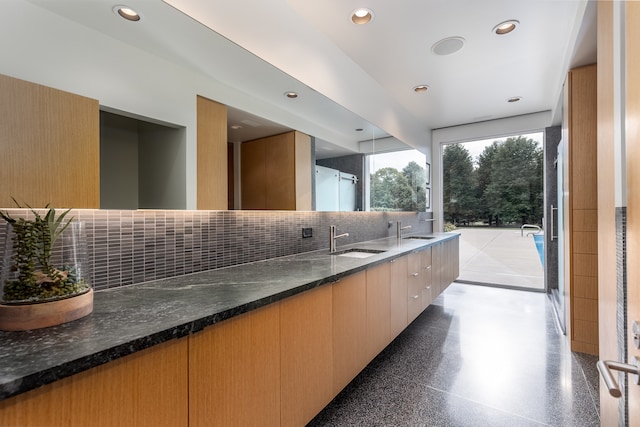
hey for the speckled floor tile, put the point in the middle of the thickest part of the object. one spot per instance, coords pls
(477, 356)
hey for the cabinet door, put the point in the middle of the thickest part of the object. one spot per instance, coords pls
(306, 355)
(234, 371)
(398, 295)
(425, 268)
(148, 388)
(280, 172)
(378, 309)
(349, 329)
(414, 295)
(253, 172)
(437, 269)
(50, 141)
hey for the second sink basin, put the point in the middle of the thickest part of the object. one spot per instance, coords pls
(419, 237)
(357, 253)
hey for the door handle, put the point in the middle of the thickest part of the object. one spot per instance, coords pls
(605, 367)
(553, 236)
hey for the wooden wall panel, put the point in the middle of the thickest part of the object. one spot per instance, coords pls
(632, 134)
(148, 388)
(581, 230)
(50, 144)
(212, 155)
(253, 171)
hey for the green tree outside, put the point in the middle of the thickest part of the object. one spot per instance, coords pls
(459, 184)
(506, 186)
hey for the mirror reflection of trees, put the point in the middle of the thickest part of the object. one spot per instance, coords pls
(394, 190)
(504, 187)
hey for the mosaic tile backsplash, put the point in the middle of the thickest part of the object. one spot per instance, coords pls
(128, 247)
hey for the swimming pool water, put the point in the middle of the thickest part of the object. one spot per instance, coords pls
(538, 239)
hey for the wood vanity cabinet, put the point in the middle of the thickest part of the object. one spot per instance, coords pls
(147, 388)
(426, 282)
(234, 371)
(350, 354)
(306, 352)
(378, 309)
(278, 365)
(398, 297)
(414, 296)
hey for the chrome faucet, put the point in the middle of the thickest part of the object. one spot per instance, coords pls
(400, 228)
(333, 237)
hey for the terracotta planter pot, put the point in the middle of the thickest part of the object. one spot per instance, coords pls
(41, 315)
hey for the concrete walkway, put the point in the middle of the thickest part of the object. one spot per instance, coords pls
(499, 256)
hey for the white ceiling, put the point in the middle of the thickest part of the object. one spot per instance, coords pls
(351, 76)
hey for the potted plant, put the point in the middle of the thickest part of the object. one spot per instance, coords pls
(42, 284)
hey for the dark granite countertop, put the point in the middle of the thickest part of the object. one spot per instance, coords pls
(131, 318)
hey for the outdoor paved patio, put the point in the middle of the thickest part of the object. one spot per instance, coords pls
(499, 256)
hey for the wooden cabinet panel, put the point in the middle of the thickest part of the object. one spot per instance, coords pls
(276, 172)
(414, 296)
(425, 268)
(349, 329)
(279, 157)
(378, 309)
(306, 355)
(148, 388)
(398, 295)
(437, 268)
(52, 143)
(212, 155)
(253, 172)
(234, 371)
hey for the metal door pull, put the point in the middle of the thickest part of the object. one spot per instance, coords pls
(605, 367)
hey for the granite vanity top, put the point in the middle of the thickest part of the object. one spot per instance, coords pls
(131, 318)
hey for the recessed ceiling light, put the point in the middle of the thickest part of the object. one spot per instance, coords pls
(505, 27)
(514, 99)
(126, 12)
(291, 95)
(448, 46)
(361, 16)
(420, 88)
(236, 127)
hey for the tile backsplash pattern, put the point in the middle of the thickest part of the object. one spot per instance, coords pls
(127, 247)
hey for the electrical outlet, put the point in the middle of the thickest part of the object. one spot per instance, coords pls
(307, 232)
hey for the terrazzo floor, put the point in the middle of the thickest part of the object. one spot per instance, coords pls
(477, 356)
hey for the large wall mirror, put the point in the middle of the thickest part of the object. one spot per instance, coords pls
(146, 81)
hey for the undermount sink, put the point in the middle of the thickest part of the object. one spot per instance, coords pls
(357, 253)
(420, 237)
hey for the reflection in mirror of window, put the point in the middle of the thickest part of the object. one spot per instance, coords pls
(397, 181)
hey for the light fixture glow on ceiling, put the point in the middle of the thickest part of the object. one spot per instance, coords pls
(420, 88)
(291, 95)
(505, 27)
(361, 16)
(126, 13)
(514, 99)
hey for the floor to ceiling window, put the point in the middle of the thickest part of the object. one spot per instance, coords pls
(493, 195)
